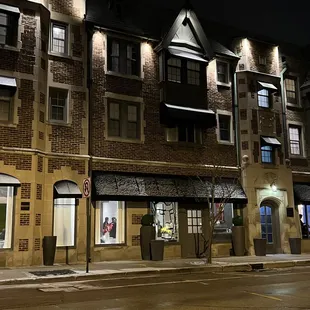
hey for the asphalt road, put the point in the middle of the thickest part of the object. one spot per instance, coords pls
(275, 289)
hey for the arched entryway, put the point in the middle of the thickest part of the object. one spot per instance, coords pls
(270, 226)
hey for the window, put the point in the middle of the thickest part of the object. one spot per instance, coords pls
(5, 105)
(188, 133)
(224, 127)
(110, 222)
(58, 104)
(267, 154)
(6, 216)
(290, 88)
(263, 98)
(222, 72)
(295, 140)
(124, 120)
(262, 60)
(123, 57)
(193, 73)
(304, 216)
(64, 221)
(194, 221)
(174, 70)
(222, 228)
(59, 38)
(8, 28)
(166, 220)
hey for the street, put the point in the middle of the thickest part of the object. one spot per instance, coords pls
(274, 289)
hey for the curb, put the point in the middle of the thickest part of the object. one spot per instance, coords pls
(243, 267)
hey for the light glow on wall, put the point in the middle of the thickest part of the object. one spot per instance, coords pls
(147, 49)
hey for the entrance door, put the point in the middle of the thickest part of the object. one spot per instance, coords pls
(191, 228)
(269, 225)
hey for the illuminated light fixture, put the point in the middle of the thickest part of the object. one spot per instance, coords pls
(273, 187)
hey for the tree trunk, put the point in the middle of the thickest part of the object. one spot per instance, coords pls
(209, 261)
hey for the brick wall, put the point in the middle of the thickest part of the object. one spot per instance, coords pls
(155, 147)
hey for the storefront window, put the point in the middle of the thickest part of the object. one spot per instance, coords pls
(64, 221)
(304, 217)
(166, 221)
(110, 222)
(222, 228)
(6, 216)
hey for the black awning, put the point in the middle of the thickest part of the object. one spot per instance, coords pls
(174, 115)
(116, 186)
(302, 193)
(66, 189)
(270, 141)
(8, 180)
(186, 53)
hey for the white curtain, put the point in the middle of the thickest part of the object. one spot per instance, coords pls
(64, 221)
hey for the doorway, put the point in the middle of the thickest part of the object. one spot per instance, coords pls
(270, 231)
(192, 238)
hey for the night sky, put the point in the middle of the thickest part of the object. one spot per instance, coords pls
(286, 20)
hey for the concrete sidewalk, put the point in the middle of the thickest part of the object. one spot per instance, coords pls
(119, 269)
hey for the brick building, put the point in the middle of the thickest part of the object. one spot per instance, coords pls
(147, 109)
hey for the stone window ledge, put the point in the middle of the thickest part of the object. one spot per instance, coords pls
(115, 139)
(52, 123)
(10, 48)
(125, 76)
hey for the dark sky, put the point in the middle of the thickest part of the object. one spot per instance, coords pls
(287, 20)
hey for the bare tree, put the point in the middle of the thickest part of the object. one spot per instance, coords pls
(220, 186)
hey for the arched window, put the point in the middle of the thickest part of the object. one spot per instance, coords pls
(7, 193)
(65, 195)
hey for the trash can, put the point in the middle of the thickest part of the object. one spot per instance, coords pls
(260, 246)
(49, 249)
(295, 245)
(157, 249)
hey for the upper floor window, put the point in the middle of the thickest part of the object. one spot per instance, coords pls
(184, 133)
(5, 105)
(174, 70)
(59, 38)
(58, 104)
(267, 153)
(124, 120)
(225, 127)
(222, 72)
(123, 57)
(295, 140)
(262, 60)
(9, 26)
(263, 98)
(193, 73)
(290, 89)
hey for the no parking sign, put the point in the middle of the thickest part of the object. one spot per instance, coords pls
(86, 188)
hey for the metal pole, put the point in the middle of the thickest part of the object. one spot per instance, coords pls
(88, 233)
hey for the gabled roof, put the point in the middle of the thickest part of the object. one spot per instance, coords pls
(187, 29)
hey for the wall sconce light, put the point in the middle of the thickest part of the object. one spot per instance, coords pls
(273, 187)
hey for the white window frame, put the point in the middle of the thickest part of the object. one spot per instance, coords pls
(297, 85)
(67, 34)
(225, 113)
(228, 84)
(302, 139)
(74, 221)
(66, 109)
(269, 98)
(12, 11)
(120, 229)
(10, 214)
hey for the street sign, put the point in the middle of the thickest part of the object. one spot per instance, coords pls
(86, 188)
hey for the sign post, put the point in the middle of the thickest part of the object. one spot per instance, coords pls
(86, 194)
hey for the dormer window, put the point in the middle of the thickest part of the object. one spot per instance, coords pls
(123, 57)
(174, 70)
(183, 71)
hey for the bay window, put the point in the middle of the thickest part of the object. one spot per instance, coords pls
(110, 222)
(166, 220)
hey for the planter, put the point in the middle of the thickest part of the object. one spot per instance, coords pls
(238, 240)
(147, 234)
(49, 249)
(295, 245)
(157, 249)
(260, 246)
